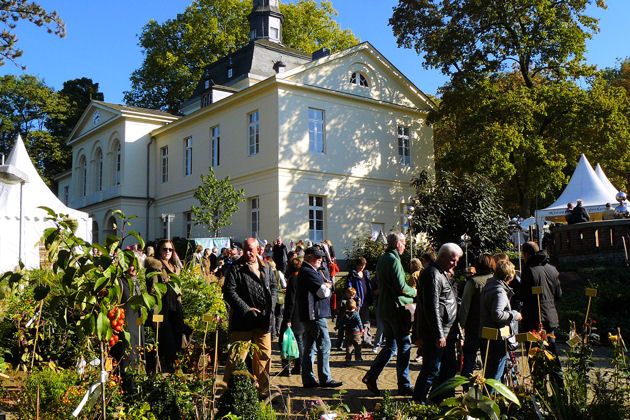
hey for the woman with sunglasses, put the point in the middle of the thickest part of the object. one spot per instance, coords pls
(172, 330)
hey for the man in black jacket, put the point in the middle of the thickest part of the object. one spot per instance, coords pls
(250, 289)
(279, 255)
(538, 272)
(314, 304)
(438, 325)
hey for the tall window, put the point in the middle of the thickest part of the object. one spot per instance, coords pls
(404, 147)
(66, 194)
(82, 176)
(315, 130)
(359, 79)
(254, 209)
(117, 164)
(315, 218)
(254, 133)
(98, 163)
(189, 223)
(164, 161)
(188, 156)
(215, 146)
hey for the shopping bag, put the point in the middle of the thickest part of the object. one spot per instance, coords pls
(290, 349)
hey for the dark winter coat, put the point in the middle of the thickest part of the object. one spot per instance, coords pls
(311, 306)
(495, 310)
(579, 214)
(291, 312)
(364, 293)
(279, 256)
(438, 304)
(471, 298)
(243, 290)
(538, 272)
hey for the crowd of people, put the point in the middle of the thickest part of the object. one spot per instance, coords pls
(270, 288)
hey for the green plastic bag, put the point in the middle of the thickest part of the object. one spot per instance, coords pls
(290, 350)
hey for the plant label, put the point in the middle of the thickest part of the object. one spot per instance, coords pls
(139, 322)
(526, 337)
(109, 364)
(537, 290)
(158, 318)
(505, 332)
(208, 318)
(591, 292)
(489, 333)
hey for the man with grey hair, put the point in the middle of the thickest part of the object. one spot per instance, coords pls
(394, 294)
(437, 310)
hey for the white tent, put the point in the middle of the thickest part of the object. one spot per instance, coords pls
(602, 176)
(16, 198)
(584, 184)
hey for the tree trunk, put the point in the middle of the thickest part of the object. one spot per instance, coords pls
(526, 204)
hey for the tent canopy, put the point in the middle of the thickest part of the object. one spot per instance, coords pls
(586, 184)
(30, 195)
(602, 177)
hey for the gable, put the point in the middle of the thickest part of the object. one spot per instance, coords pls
(92, 118)
(350, 70)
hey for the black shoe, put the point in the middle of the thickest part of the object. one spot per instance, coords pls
(332, 384)
(310, 385)
(296, 370)
(371, 385)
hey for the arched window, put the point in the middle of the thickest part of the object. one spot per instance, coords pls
(358, 78)
(98, 173)
(94, 232)
(82, 176)
(117, 162)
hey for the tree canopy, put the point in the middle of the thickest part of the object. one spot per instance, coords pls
(218, 201)
(11, 12)
(43, 117)
(177, 50)
(514, 109)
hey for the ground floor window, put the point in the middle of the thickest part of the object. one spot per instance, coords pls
(254, 209)
(315, 218)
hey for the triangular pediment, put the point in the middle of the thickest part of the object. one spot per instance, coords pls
(360, 71)
(95, 115)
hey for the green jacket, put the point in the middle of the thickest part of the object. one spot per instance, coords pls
(391, 284)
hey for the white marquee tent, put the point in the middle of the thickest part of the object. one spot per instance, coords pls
(30, 196)
(586, 184)
(602, 176)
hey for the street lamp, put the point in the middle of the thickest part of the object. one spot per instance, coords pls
(465, 241)
(168, 218)
(515, 227)
(409, 216)
(10, 174)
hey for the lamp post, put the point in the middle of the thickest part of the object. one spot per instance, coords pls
(515, 226)
(168, 218)
(465, 241)
(10, 174)
(409, 215)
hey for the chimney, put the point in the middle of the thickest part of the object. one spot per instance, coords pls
(322, 52)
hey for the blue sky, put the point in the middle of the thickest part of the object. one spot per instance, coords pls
(102, 42)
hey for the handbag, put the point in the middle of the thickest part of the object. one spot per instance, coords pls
(290, 350)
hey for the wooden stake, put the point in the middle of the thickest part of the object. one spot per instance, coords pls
(103, 402)
(39, 317)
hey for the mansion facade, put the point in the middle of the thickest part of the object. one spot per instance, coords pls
(324, 146)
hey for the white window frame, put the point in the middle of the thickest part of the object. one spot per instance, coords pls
(404, 145)
(253, 133)
(215, 146)
(316, 213)
(164, 163)
(254, 216)
(188, 156)
(316, 130)
(359, 79)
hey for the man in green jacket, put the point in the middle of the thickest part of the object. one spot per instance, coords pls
(393, 294)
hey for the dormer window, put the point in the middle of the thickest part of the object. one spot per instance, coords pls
(359, 79)
(273, 2)
(206, 84)
(252, 34)
(229, 72)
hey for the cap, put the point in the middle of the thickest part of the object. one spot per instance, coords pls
(314, 250)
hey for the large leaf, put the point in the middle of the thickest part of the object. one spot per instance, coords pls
(138, 238)
(449, 385)
(102, 326)
(40, 292)
(503, 390)
(489, 407)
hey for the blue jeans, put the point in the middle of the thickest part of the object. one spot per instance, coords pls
(438, 365)
(403, 343)
(471, 345)
(495, 362)
(316, 338)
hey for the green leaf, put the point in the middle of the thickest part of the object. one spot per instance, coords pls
(50, 211)
(138, 238)
(489, 407)
(102, 326)
(40, 292)
(449, 385)
(503, 390)
(111, 243)
(99, 283)
(149, 301)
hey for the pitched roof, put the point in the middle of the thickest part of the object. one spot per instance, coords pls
(120, 107)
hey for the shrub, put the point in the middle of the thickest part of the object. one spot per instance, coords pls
(240, 398)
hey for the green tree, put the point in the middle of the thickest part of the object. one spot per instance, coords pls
(11, 12)
(177, 50)
(449, 206)
(218, 201)
(26, 106)
(78, 93)
(512, 110)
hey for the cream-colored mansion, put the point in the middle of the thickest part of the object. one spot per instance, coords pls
(324, 146)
